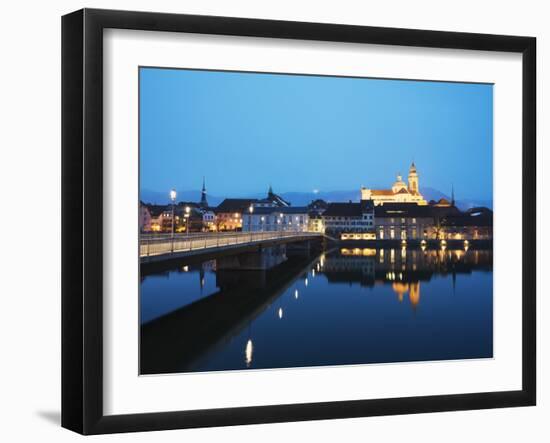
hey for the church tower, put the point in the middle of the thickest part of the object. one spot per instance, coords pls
(204, 202)
(413, 179)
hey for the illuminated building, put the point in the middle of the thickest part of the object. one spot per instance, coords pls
(343, 219)
(290, 218)
(144, 218)
(403, 221)
(315, 223)
(229, 213)
(208, 220)
(316, 209)
(400, 192)
(161, 218)
(474, 224)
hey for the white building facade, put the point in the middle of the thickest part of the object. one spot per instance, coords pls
(265, 219)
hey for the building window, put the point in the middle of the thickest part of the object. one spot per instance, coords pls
(392, 233)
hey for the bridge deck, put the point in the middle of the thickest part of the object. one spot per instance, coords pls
(155, 248)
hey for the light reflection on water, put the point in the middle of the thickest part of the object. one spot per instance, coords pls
(346, 306)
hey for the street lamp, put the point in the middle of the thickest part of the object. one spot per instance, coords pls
(173, 196)
(250, 210)
(187, 210)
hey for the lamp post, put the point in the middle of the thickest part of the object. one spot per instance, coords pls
(250, 211)
(187, 210)
(173, 196)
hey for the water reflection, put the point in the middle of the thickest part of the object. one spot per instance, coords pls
(299, 311)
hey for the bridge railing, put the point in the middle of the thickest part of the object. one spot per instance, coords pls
(162, 245)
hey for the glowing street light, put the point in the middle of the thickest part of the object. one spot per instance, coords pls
(173, 195)
(250, 210)
(248, 353)
(187, 211)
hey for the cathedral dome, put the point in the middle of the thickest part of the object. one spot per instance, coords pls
(399, 184)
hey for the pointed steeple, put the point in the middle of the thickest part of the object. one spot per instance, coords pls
(270, 191)
(204, 202)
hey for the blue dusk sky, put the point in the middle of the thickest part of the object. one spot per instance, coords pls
(244, 131)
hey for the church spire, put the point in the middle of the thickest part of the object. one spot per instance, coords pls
(270, 191)
(413, 179)
(204, 202)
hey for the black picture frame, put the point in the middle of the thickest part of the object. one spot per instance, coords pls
(82, 230)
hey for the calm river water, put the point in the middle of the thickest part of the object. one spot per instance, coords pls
(344, 306)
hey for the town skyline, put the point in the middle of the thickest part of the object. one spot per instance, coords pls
(297, 197)
(245, 131)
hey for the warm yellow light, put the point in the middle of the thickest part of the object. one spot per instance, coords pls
(187, 210)
(369, 252)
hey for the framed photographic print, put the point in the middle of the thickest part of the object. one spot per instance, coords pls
(270, 221)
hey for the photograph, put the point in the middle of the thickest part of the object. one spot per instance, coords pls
(298, 220)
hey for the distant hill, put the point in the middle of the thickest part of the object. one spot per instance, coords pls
(162, 198)
(434, 194)
(303, 198)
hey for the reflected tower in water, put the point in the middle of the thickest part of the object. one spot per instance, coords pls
(293, 310)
